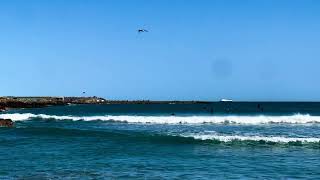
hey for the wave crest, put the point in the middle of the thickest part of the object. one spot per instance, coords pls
(232, 138)
(261, 119)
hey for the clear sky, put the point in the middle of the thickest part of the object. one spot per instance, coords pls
(194, 50)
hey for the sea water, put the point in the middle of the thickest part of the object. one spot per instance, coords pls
(227, 140)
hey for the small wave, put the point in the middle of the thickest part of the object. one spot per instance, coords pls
(261, 119)
(166, 138)
(231, 138)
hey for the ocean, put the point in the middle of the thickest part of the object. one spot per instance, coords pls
(220, 140)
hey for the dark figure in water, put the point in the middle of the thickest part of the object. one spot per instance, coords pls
(211, 110)
(259, 107)
(173, 114)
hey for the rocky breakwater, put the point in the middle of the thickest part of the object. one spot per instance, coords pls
(38, 102)
(6, 123)
(2, 109)
(28, 102)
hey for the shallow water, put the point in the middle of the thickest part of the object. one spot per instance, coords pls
(139, 141)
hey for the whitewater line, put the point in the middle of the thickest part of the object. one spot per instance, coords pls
(261, 119)
(230, 138)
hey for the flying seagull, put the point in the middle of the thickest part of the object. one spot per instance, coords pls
(142, 30)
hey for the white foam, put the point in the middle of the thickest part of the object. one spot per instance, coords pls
(262, 119)
(229, 138)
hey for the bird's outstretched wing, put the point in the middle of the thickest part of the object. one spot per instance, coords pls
(142, 30)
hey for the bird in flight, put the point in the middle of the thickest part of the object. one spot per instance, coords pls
(142, 30)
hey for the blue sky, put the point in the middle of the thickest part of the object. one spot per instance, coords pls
(194, 50)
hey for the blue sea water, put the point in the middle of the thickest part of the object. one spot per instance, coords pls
(163, 141)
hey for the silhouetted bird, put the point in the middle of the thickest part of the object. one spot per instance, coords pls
(142, 30)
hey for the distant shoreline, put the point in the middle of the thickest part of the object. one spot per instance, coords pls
(9, 102)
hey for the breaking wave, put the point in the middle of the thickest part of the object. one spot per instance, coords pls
(261, 119)
(232, 138)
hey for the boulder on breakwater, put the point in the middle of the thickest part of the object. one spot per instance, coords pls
(2, 109)
(6, 123)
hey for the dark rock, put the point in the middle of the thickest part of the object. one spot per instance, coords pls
(2, 109)
(6, 123)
